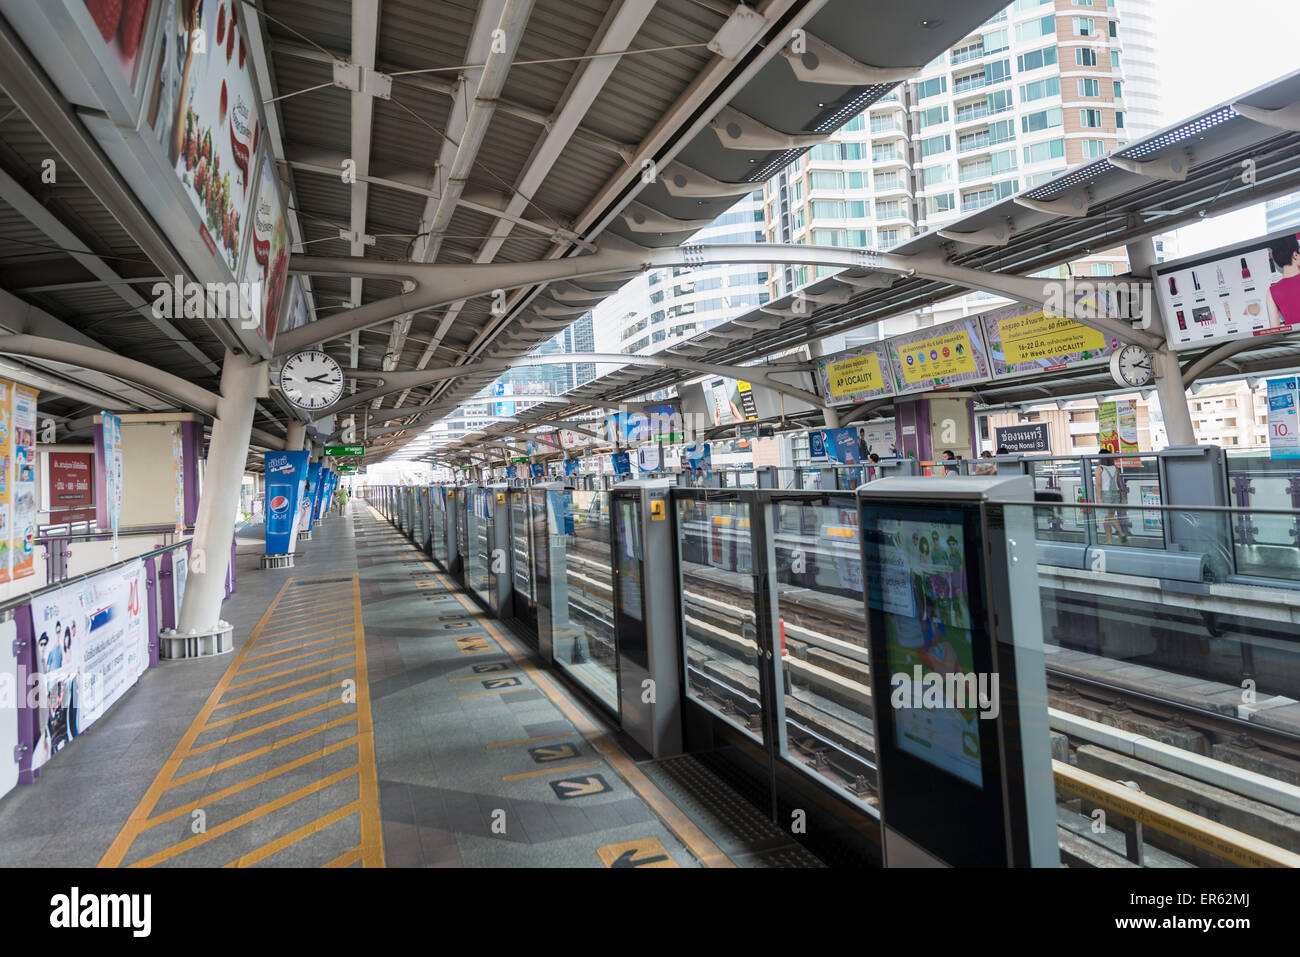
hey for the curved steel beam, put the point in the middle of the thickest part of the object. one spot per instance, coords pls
(1198, 367)
(146, 376)
(397, 381)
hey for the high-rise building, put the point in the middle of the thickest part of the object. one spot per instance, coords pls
(1140, 61)
(665, 306)
(1038, 88)
(1282, 213)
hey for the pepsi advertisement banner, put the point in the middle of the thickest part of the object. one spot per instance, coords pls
(311, 498)
(833, 447)
(539, 470)
(512, 471)
(570, 467)
(286, 477)
(622, 463)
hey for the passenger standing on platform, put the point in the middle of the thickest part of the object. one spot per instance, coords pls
(1105, 479)
(986, 468)
(949, 456)
(341, 498)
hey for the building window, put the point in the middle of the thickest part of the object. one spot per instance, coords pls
(1114, 59)
(1036, 59)
(932, 117)
(1044, 27)
(1040, 88)
(1085, 56)
(1118, 89)
(936, 144)
(928, 88)
(1114, 28)
(934, 175)
(1084, 27)
(1090, 88)
(937, 205)
(1039, 152)
(1093, 149)
(1090, 118)
(1042, 120)
(1119, 119)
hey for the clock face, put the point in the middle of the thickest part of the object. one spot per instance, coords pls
(311, 380)
(1133, 365)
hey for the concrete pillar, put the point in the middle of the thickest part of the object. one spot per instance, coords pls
(243, 382)
(1164, 363)
(830, 416)
(296, 439)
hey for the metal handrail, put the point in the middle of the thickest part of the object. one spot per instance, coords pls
(107, 533)
(19, 600)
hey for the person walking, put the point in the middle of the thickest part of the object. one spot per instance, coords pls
(341, 498)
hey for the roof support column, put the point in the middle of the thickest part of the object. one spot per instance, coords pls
(243, 382)
(830, 416)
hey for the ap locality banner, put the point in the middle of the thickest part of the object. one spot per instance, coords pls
(286, 479)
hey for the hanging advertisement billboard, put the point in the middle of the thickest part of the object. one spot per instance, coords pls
(22, 547)
(1024, 339)
(855, 375)
(939, 357)
(833, 447)
(1236, 292)
(659, 422)
(266, 260)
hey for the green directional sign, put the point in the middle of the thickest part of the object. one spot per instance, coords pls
(338, 450)
(344, 469)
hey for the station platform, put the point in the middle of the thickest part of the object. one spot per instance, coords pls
(371, 716)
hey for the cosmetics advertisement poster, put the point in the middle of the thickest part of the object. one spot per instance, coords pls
(939, 357)
(212, 126)
(1252, 289)
(92, 645)
(23, 539)
(1024, 339)
(1283, 419)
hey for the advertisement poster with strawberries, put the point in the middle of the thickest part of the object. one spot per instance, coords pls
(201, 107)
(268, 260)
(121, 23)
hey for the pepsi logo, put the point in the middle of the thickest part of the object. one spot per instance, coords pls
(280, 503)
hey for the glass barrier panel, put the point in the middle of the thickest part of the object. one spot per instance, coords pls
(825, 681)
(479, 560)
(718, 620)
(437, 519)
(519, 542)
(582, 618)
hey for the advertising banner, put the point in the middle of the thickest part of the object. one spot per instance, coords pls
(1117, 428)
(880, 438)
(6, 476)
(72, 490)
(1283, 419)
(266, 264)
(729, 401)
(92, 643)
(512, 471)
(855, 375)
(113, 469)
(538, 470)
(212, 124)
(833, 447)
(1023, 438)
(22, 547)
(178, 478)
(698, 457)
(1251, 289)
(1023, 339)
(658, 423)
(622, 463)
(647, 458)
(939, 357)
(570, 467)
(311, 497)
(286, 477)
(180, 575)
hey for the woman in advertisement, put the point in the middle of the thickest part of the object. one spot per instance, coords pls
(1284, 295)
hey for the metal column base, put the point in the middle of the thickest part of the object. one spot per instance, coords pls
(304, 536)
(277, 561)
(217, 641)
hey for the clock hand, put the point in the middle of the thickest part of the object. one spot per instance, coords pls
(317, 378)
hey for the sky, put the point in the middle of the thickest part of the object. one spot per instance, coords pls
(1211, 52)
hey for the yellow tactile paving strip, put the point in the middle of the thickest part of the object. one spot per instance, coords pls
(314, 630)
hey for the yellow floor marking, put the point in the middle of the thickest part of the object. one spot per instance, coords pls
(484, 694)
(686, 830)
(346, 859)
(552, 770)
(264, 727)
(296, 835)
(276, 664)
(334, 629)
(208, 799)
(296, 633)
(289, 671)
(258, 752)
(647, 852)
(167, 853)
(372, 835)
(306, 609)
(305, 644)
(540, 737)
(335, 686)
(287, 684)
